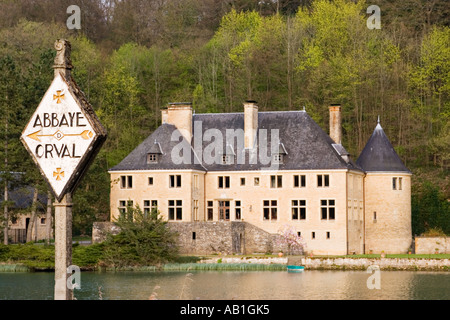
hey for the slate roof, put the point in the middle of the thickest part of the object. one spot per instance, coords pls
(378, 155)
(304, 144)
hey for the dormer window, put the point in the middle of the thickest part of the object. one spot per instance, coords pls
(228, 156)
(278, 155)
(154, 153)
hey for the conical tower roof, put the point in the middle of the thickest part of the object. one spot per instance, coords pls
(379, 155)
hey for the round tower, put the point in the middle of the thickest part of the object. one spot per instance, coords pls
(387, 196)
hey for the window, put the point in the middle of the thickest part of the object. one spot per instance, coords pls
(126, 182)
(270, 209)
(299, 181)
(328, 235)
(150, 181)
(242, 181)
(152, 158)
(149, 205)
(224, 210)
(224, 182)
(209, 210)
(175, 209)
(194, 235)
(374, 216)
(195, 210)
(276, 181)
(175, 181)
(298, 209)
(42, 220)
(277, 158)
(227, 159)
(124, 205)
(256, 181)
(299, 234)
(313, 235)
(323, 180)
(397, 185)
(327, 209)
(237, 209)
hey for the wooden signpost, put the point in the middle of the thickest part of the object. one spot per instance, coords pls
(63, 137)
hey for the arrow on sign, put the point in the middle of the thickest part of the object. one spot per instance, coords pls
(86, 134)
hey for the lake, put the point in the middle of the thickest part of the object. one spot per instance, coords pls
(228, 285)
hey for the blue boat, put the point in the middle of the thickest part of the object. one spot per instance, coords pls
(295, 268)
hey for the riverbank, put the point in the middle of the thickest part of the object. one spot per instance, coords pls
(270, 264)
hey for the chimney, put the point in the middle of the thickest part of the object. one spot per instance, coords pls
(335, 123)
(250, 122)
(180, 115)
(164, 115)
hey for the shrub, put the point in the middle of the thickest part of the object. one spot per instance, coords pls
(145, 239)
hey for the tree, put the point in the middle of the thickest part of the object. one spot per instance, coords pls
(290, 240)
(143, 240)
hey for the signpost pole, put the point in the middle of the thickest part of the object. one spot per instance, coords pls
(63, 136)
(63, 247)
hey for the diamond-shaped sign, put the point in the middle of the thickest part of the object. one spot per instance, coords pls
(63, 136)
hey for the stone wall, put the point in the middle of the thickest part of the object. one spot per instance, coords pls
(101, 229)
(428, 245)
(207, 237)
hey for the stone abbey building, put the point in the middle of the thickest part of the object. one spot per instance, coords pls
(229, 182)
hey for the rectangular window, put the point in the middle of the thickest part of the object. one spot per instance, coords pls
(299, 181)
(327, 208)
(328, 235)
(298, 209)
(150, 181)
(42, 220)
(399, 183)
(149, 205)
(152, 158)
(276, 181)
(194, 235)
(175, 181)
(313, 235)
(374, 216)
(126, 182)
(256, 181)
(394, 183)
(237, 209)
(124, 205)
(224, 210)
(175, 210)
(323, 180)
(209, 210)
(242, 181)
(270, 209)
(224, 182)
(227, 159)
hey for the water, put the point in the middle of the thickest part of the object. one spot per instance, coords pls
(228, 285)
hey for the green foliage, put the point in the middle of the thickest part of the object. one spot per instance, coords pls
(430, 210)
(143, 240)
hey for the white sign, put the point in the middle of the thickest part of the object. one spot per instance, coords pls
(59, 136)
